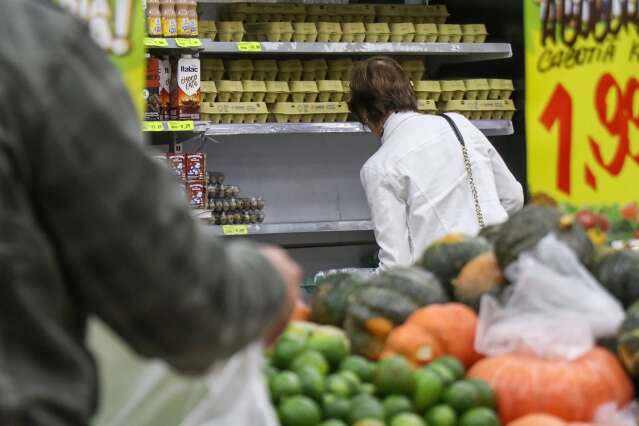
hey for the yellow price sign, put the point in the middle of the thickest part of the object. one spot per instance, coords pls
(152, 126)
(181, 126)
(155, 42)
(188, 42)
(235, 229)
(249, 46)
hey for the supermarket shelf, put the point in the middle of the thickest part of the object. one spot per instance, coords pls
(495, 127)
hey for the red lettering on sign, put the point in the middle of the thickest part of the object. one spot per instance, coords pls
(559, 109)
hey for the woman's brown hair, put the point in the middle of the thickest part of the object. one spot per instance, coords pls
(380, 87)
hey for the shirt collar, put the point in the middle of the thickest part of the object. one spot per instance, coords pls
(393, 122)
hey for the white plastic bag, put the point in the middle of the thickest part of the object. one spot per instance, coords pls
(237, 394)
(555, 307)
(609, 414)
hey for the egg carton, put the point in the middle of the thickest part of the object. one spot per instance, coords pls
(413, 68)
(378, 32)
(340, 69)
(253, 91)
(239, 69)
(317, 112)
(482, 110)
(500, 89)
(474, 33)
(426, 33)
(270, 31)
(452, 90)
(229, 91)
(276, 91)
(234, 112)
(427, 106)
(357, 12)
(346, 86)
(330, 91)
(329, 32)
(403, 32)
(322, 13)
(353, 32)
(207, 29)
(303, 91)
(428, 90)
(264, 69)
(417, 14)
(449, 33)
(314, 69)
(208, 89)
(274, 12)
(212, 69)
(477, 89)
(289, 70)
(230, 31)
(245, 12)
(304, 32)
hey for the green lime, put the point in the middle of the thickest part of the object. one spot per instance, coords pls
(462, 396)
(335, 407)
(284, 384)
(407, 419)
(396, 404)
(394, 375)
(428, 388)
(453, 364)
(338, 385)
(310, 358)
(270, 371)
(481, 416)
(285, 351)
(352, 379)
(367, 388)
(369, 422)
(441, 415)
(487, 396)
(312, 382)
(365, 407)
(360, 366)
(333, 422)
(445, 374)
(299, 411)
(333, 345)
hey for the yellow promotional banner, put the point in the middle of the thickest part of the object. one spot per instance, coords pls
(582, 99)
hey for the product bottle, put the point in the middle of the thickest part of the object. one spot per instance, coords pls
(165, 88)
(194, 18)
(153, 18)
(184, 27)
(188, 88)
(169, 19)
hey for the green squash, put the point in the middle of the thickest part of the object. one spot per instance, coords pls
(530, 225)
(331, 298)
(490, 233)
(446, 257)
(628, 341)
(618, 272)
(385, 301)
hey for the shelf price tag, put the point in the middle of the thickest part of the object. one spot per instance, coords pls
(249, 46)
(181, 126)
(235, 229)
(155, 42)
(188, 42)
(152, 126)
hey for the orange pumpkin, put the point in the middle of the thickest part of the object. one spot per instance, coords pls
(433, 331)
(571, 390)
(547, 420)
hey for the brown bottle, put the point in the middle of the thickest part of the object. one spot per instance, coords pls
(153, 18)
(169, 18)
(184, 27)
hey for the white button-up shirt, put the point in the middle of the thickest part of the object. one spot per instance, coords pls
(418, 189)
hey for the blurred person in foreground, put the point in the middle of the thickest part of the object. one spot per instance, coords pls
(417, 183)
(91, 226)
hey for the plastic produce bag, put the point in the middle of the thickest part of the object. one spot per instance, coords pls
(363, 273)
(555, 308)
(609, 414)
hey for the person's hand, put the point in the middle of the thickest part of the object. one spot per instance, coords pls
(291, 274)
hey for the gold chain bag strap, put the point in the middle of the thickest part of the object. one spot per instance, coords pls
(469, 170)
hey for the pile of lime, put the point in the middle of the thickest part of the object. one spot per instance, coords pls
(314, 381)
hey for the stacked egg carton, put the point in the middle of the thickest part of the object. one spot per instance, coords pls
(478, 99)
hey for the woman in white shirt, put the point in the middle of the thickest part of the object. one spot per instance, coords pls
(417, 183)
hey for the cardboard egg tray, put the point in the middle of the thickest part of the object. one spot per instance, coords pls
(304, 32)
(270, 31)
(449, 33)
(239, 69)
(276, 91)
(208, 90)
(356, 12)
(234, 112)
(452, 90)
(230, 31)
(289, 70)
(212, 69)
(322, 13)
(427, 106)
(330, 91)
(253, 91)
(428, 90)
(340, 69)
(378, 32)
(474, 33)
(207, 29)
(317, 112)
(482, 110)
(260, 12)
(477, 89)
(329, 32)
(414, 68)
(426, 33)
(402, 32)
(346, 86)
(353, 32)
(418, 14)
(314, 69)
(500, 89)
(264, 69)
(229, 91)
(303, 91)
